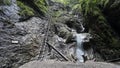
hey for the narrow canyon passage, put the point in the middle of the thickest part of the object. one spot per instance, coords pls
(59, 33)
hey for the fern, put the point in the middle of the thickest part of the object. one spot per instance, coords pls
(90, 7)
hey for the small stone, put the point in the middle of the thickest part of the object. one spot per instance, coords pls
(14, 42)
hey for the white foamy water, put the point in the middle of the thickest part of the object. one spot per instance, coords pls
(80, 38)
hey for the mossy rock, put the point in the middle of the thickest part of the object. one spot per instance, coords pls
(63, 33)
(32, 8)
(41, 5)
(5, 2)
(25, 10)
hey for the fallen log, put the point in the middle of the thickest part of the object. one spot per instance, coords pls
(63, 56)
(114, 60)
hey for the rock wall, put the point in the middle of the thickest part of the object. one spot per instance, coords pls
(113, 15)
(29, 35)
(9, 12)
(106, 35)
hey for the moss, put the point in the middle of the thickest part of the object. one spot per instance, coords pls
(41, 5)
(5, 2)
(64, 2)
(60, 16)
(115, 43)
(25, 10)
(32, 8)
(63, 32)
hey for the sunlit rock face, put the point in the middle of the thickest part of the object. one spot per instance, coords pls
(9, 12)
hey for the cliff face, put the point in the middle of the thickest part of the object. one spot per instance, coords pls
(18, 43)
(113, 15)
(106, 35)
(21, 42)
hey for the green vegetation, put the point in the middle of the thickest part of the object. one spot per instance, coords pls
(65, 2)
(57, 16)
(32, 7)
(5, 2)
(25, 10)
(115, 43)
(92, 8)
(41, 5)
(89, 8)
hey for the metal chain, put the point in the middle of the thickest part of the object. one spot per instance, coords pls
(44, 47)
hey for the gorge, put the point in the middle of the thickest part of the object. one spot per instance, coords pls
(26, 26)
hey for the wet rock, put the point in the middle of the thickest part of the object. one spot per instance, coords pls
(56, 64)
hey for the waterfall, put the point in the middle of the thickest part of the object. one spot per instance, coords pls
(82, 27)
(80, 38)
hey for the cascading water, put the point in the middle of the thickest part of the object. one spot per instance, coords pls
(79, 47)
(80, 38)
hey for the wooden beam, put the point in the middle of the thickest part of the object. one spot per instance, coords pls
(63, 56)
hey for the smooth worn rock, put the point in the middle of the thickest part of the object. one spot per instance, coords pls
(56, 64)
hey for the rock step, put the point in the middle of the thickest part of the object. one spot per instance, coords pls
(58, 64)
